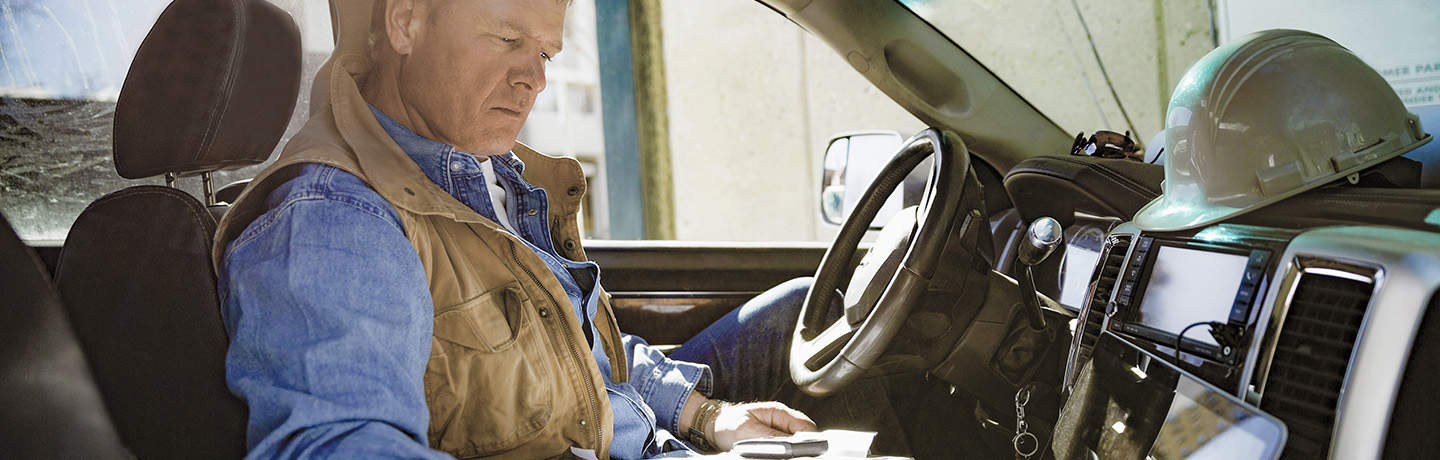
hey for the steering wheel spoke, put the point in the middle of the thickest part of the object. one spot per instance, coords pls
(826, 346)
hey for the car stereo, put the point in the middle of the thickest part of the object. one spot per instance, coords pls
(1172, 288)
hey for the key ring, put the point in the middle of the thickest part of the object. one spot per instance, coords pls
(1020, 439)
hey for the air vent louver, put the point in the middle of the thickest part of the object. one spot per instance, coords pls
(1105, 282)
(1311, 357)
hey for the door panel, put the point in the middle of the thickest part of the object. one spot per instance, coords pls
(671, 318)
(668, 291)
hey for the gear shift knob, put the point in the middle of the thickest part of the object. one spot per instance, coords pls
(1041, 239)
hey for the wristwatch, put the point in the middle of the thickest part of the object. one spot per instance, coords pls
(704, 416)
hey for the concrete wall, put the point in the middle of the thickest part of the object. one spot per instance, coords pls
(753, 98)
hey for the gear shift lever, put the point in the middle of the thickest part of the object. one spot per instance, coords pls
(1041, 239)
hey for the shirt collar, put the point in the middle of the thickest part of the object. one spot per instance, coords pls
(441, 162)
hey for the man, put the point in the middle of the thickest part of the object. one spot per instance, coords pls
(406, 276)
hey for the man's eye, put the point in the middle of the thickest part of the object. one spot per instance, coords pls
(509, 40)
(547, 57)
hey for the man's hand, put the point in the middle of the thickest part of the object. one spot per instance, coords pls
(756, 420)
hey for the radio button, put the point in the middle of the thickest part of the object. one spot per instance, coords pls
(1257, 259)
(1251, 278)
(1245, 295)
(1238, 312)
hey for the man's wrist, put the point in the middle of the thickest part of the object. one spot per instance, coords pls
(701, 432)
(687, 413)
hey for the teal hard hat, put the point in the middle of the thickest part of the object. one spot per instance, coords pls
(1268, 116)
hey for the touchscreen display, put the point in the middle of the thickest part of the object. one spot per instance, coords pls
(1189, 286)
(1129, 405)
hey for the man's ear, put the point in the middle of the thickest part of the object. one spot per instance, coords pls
(405, 23)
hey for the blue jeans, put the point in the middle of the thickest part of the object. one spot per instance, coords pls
(748, 351)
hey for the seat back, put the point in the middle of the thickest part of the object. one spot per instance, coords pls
(49, 406)
(135, 274)
(211, 87)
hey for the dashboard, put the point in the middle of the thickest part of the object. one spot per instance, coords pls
(1313, 327)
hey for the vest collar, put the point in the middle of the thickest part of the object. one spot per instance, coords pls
(397, 178)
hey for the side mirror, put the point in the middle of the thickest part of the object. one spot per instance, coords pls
(852, 160)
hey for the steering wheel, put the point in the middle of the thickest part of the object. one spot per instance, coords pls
(825, 358)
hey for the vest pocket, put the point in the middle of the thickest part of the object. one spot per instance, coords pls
(489, 383)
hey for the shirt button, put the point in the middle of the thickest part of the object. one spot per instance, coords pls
(572, 191)
(455, 166)
(569, 244)
(544, 312)
(582, 422)
(532, 212)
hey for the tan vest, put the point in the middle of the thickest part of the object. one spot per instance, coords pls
(510, 372)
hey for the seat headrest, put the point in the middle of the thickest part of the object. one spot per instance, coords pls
(211, 87)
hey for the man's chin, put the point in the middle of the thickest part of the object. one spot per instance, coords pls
(491, 145)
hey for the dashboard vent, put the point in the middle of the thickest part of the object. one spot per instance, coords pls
(1311, 357)
(1094, 314)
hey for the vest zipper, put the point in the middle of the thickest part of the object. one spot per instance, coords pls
(574, 352)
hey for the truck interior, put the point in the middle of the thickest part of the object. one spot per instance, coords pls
(115, 347)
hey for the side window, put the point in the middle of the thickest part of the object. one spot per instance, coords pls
(752, 101)
(567, 117)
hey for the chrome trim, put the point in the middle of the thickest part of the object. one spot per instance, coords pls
(1257, 367)
(207, 187)
(1342, 273)
(1125, 229)
(1407, 272)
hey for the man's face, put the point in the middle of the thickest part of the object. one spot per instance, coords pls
(476, 67)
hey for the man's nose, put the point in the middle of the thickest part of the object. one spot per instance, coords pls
(529, 73)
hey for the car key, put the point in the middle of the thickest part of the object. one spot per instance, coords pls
(780, 448)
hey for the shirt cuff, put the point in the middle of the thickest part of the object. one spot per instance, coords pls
(670, 385)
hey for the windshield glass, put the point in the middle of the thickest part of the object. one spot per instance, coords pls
(1092, 65)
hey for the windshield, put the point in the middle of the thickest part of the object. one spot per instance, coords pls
(1092, 65)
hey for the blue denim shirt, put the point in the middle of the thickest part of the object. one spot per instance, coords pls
(330, 316)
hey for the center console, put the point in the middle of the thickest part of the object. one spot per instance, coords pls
(1313, 326)
(1195, 297)
(1175, 285)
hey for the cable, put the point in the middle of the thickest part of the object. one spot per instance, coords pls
(1181, 336)
(1091, 40)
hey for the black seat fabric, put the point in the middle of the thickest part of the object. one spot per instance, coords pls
(51, 408)
(212, 87)
(211, 77)
(135, 274)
